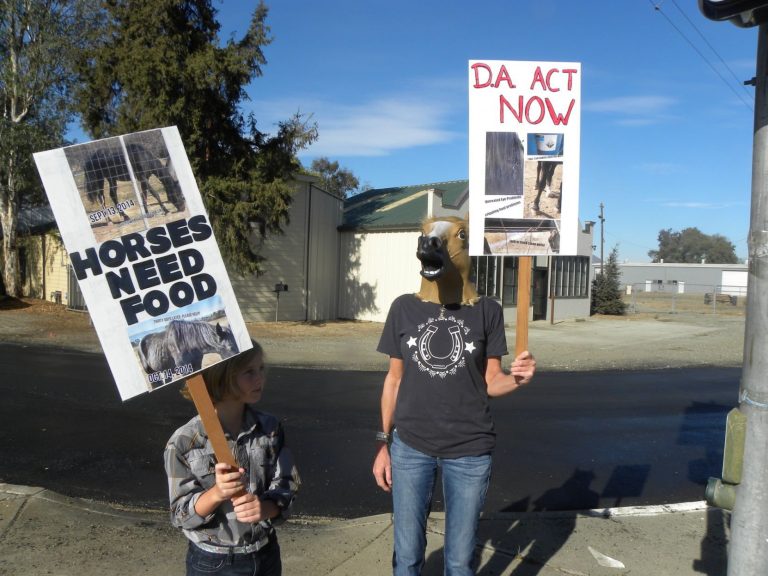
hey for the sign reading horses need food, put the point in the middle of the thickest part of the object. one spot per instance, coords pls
(143, 251)
(524, 157)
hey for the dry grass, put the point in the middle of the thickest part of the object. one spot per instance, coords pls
(668, 303)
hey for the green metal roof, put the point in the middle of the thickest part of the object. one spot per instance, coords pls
(398, 208)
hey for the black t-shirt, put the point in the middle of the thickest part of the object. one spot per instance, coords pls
(442, 403)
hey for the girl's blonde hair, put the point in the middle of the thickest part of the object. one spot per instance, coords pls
(221, 379)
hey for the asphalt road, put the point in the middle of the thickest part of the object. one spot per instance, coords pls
(571, 440)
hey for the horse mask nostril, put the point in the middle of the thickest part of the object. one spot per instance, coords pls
(430, 243)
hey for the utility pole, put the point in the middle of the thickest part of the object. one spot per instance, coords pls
(602, 239)
(749, 525)
(748, 553)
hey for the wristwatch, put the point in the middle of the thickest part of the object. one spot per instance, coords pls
(382, 437)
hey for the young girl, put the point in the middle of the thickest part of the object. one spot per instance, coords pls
(229, 514)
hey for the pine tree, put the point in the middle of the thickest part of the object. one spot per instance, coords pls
(606, 291)
(161, 63)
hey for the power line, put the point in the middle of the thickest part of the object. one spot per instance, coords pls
(657, 8)
(714, 51)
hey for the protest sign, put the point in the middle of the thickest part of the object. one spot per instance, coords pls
(142, 248)
(524, 123)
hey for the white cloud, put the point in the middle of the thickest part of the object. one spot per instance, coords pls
(702, 205)
(634, 110)
(373, 128)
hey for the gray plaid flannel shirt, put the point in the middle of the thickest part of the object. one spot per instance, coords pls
(269, 468)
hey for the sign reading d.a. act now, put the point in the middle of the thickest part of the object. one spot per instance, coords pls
(524, 157)
(145, 257)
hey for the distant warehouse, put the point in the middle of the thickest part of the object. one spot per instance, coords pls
(730, 279)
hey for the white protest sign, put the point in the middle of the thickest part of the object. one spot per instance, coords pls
(524, 122)
(142, 248)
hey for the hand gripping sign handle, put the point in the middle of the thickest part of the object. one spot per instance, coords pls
(211, 424)
(202, 400)
(524, 264)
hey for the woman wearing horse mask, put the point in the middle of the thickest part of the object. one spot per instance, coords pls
(445, 345)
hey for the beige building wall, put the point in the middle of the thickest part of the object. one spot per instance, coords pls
(376, 268)
(324, 214)
(46, 268)
(305, 258)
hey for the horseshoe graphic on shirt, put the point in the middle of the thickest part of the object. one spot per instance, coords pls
(435, 361)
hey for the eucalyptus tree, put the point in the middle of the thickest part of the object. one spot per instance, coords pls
(692, 246)
(335, 179)
(39, 41)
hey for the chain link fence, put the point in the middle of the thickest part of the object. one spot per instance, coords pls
(684, 298)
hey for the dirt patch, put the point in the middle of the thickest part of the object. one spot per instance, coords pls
(31, 321)
(644, 340)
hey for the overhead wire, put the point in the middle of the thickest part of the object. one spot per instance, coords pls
(739, 95)
(714, 50)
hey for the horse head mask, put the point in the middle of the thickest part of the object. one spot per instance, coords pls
(443, 250)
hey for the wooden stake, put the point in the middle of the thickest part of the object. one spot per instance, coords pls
(202, 400)
(524, 264)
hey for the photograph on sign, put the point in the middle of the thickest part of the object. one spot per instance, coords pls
(523, 157)
(118, 179)
(504, 160)
(183, 343)
(143, 251)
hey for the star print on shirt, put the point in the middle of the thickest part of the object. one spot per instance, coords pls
(469, 347)
(411, 341)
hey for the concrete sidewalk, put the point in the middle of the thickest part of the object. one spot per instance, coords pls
(45, 533)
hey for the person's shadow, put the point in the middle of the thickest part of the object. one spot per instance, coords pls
(704, 425)
(538, 540)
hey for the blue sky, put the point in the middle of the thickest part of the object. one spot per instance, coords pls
(665, 141)
(666, 135)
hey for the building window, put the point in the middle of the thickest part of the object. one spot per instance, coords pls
(509, 296)
(486, 274)
(570, 276)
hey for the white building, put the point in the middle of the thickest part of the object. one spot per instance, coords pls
(680, 278)
(304, 261)
(351, 259)
(378, 257)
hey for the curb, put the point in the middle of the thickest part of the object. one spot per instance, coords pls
(108, 509)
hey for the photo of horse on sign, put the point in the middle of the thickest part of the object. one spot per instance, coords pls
(127, 184)
(183, 347)
(183, 342)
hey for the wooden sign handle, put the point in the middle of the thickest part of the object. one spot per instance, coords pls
(202, 400)
(524, 264)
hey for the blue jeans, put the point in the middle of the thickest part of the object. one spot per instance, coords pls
(265, 562)
(465, 483)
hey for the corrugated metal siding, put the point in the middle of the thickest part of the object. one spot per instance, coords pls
(376, 268)
(323, 276)
(305, 258)
(285, 262)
